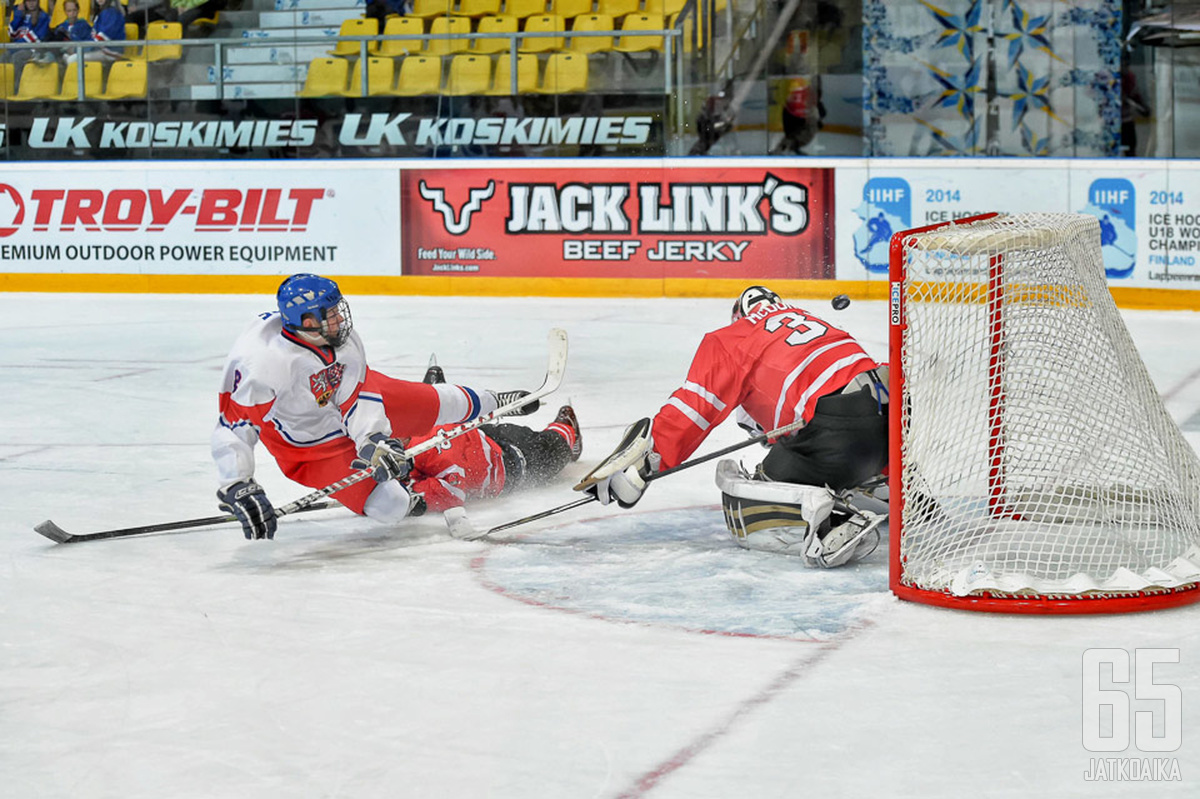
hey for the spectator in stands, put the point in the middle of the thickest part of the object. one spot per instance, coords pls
(1133, 107)
(185, 12)
(109, 26)
(188, 11)
(29, 25)
(382, 9)
(72, 29)
(143, 12)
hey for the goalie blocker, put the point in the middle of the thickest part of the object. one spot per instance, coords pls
(791, 519)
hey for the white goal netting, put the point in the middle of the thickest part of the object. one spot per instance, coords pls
(1036, 455)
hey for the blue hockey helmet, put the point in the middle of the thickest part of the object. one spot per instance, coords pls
(319, 299)
(751, 297)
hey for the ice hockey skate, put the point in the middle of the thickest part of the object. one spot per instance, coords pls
(434, 374)
(566, 417)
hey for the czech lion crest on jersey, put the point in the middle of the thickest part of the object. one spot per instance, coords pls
(325, 382)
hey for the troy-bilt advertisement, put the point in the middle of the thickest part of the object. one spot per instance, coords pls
(164, 221)
(721, 222)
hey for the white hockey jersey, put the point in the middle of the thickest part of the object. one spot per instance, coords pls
(305, 401)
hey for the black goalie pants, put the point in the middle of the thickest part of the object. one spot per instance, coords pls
(844, 445)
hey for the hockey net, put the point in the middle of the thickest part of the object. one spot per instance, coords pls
(1033, 465)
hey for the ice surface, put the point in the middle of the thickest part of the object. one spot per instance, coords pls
(595, 653)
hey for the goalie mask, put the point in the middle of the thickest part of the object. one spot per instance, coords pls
(319, 301)
(750, 298)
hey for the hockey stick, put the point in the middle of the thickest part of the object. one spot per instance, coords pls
(461, 527)
(555, 369)
(61, 536)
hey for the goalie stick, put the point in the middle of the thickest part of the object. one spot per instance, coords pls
(461, 527)
(555, 368)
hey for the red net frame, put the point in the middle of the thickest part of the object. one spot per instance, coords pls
(997, 505)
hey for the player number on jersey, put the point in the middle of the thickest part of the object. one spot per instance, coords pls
(804, 329)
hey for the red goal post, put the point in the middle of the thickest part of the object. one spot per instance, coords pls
(1033, 466)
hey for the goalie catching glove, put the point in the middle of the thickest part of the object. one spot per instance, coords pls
(384, 456)
(623, 475)
(247, 501)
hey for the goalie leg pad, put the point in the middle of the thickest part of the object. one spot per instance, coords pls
(795, 519)
(784, 518)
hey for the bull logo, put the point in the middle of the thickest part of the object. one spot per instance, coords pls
(457, 222)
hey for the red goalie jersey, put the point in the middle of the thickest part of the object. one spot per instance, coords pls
(774, 364)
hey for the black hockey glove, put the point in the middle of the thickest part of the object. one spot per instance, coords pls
(248, 502)
(506, 397)
(384, 455)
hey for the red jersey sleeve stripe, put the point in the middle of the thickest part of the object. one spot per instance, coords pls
(694, 416)
(704, 394)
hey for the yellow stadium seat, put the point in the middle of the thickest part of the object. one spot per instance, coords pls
(452, 25)
(568, 9)
(498, 25)
(426, 9)
(617, 8)
(524, 8)
(544, 23)
(126, 79)
(59, 15)
(93, 81)
(527, 74)
(212, 21)
(381, 77)
(419, 74)
(664, 8)
(359, 26)
(469, 74)
(7, 83)
(38, 81)
(478, 8)
(401, 26)
(132, 35)
(327, 77)
(640, 44)
(565, 72)
(163, 52)
(591, 44)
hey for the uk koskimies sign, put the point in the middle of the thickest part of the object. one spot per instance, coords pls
(352, 130)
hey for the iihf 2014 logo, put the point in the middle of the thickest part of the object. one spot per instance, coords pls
(1113, 202)
(885, 209)
(456, 221)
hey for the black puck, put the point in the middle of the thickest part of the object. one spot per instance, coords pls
(840, 302)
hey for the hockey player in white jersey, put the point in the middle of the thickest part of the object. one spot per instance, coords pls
(298, 381)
